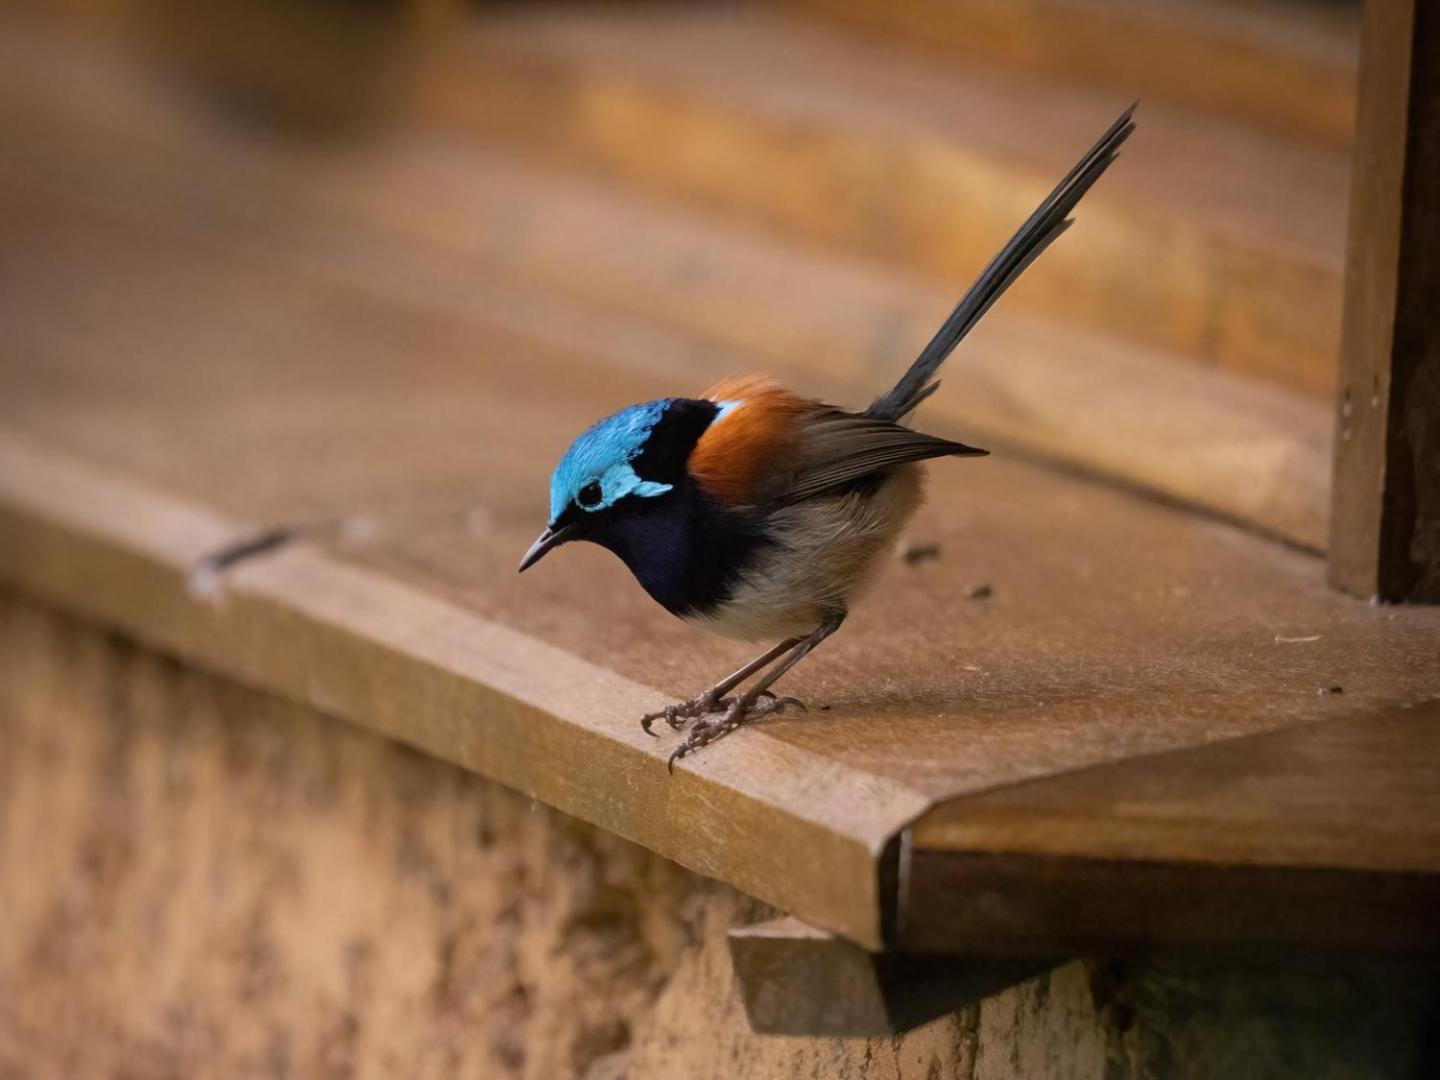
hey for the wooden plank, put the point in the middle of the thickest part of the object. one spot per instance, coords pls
(299, 368)
(172, 379)
(1326, 835)
(1385, 517)
(1211, 240)
(1107, 612)
(1285, 66)
(387, 656)
(437, 215)
(796, 980)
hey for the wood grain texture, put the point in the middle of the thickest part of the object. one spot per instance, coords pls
(1286, 66)
(439, 678)
(180, 370)
(1098, 596)
(205, 882)
(1213, 240)
(465, 229)
(1322, 835)
(1385, 513)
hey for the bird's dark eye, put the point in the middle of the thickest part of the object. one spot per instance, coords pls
(589, 495)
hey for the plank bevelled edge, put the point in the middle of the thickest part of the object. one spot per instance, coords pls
(795, 830)
(1096, 859)
(1024, 904)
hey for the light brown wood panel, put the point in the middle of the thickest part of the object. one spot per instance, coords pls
(1100, 596)
(1284, 65)
(438, 677)
(1214, 240)
(1325, 834)
(1385, 517)
(190, 388)
(179, 372)
(464, 228)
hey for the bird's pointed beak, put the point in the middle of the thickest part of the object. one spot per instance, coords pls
(548, 539)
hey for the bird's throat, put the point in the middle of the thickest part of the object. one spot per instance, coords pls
(683, 550)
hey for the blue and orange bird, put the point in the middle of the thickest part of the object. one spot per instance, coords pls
(762, 515)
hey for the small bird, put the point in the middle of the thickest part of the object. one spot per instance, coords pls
(762, 515)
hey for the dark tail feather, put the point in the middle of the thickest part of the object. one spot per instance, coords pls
(1043, 227)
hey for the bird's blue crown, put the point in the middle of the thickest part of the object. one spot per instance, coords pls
(604, 456)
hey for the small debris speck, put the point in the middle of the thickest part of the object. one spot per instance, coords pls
(824, 708)
(1327, 691)
(203, 583)
(979, 592)
(915, 554)
(1279, 640)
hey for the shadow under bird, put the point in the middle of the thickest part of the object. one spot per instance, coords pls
(762, 515)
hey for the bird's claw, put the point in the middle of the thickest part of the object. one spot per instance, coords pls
(738, 712)
(676, 715)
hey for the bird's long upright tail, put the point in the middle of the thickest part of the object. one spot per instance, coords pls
(1050, 219)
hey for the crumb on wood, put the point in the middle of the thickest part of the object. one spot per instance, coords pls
(1327, 691)
(979, 592)
(914, 554)
(203, 583)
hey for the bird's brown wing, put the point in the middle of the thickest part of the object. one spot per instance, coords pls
(836, 448)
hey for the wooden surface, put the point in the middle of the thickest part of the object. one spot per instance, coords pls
(183, 368)
(1210, 239)
(1284, 65)
(418, 214)
(1385, 516)
(1319, 835)
(202, 881)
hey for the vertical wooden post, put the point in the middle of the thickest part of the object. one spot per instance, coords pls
(1385, 509)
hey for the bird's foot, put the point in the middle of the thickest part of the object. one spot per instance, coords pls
(736, 712)
(704, 705)
(676, 715)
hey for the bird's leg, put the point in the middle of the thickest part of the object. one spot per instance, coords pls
(744, 708)
(713, 700)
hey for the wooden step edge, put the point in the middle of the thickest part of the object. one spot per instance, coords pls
(798, 831)
(1288, 68)
(1316, 836)
(1224, 291)
(797, 980)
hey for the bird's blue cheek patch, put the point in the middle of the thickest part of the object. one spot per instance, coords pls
(622, 480)
(616, 482)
